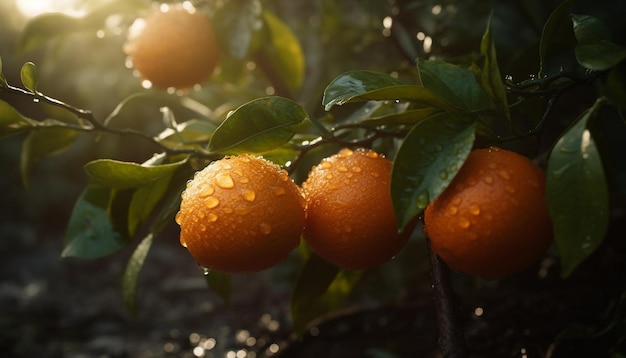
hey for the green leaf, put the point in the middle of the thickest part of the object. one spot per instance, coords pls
(29, 76)
(457, 85)
(3, 80)
(221, 284)
(11, 121)
(427, 161)
(360, 86)
(44, 27)
(42, 142)
(409, 117)
(552, 37)
(130, 277)
(490, 76)
(193, 133)
(89, 233)
(594, 49)
(615, 89)
(258, 126)
(577, 194)
(306, 303)
(240, 22)
(282, 59)
(125, 175)
(144, 200)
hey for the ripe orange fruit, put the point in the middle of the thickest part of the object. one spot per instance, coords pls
(241, 214)
(492, 220)
(174, 48)
(350, 217)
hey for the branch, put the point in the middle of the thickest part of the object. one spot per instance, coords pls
(451, 338)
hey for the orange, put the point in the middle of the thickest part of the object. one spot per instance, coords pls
(174, 48)
(350, 216)
(241, 214)
(492, 220)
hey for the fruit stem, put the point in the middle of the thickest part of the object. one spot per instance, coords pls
(451, 338)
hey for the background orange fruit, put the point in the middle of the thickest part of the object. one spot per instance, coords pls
(176, 48)
(241, 214)
(350, 217)
(492, 220)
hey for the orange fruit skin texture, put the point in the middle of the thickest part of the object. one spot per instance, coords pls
(241, 214)
(350, 217)
(492, 220)
(174, 48)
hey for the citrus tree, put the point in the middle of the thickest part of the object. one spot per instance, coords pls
(501, 162)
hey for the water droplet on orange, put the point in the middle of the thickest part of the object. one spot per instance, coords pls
(356, 169)
(464, 223)
(453, 210)
(249, 195)
(345, 153)
(372, 154)
(212, 217)
(278, 191)
(202, 228)
(328, 176)
(488, 179)
(326, 164)
(224, 181)
(474, 210)
(207, 191)
(182, 242)
(244, 180)
(178, 218)
(228, 210)
(504, 174)
(265, 228)
(343, 168)
(201, 214)
(456, 200)
(211, 202)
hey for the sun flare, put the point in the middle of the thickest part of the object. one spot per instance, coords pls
(32, 8)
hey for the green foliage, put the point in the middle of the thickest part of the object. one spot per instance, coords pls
(426, 117)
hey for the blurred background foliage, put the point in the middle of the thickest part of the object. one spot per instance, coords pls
(84, 65)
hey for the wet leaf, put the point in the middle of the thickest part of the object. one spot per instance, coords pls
(595, 49)
(258, 126)
(89, 233)
(427, 161)
(457, 85)
(144, 200)
(42, 142)
(29, 76)
(124, 175)
(193, 133)
(555, 38)
(360, 86)
(577, 195)
(241, 23)
(130, 277)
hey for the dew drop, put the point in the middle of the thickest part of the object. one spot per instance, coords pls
(211, 202)
(464, 223)
(202, 228)
(474, 210)
(207, 191)
(278, 191)
(456, 200)
(356, 169)
(228, 210)
(201, 214)
(343, 168)
(443, 175)
(183, 243)
(345, 153)
(224, 181)
(326, 164)
(212, 217)
(504, 174)
(178, 218)
(328, 176)
(453, 168)
(453, 210)
(244, 180)
(265, 228)
(372, 154)
(488, 179)
(422, 200)
(249, 195)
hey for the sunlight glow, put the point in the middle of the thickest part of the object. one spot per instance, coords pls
(32, 8)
